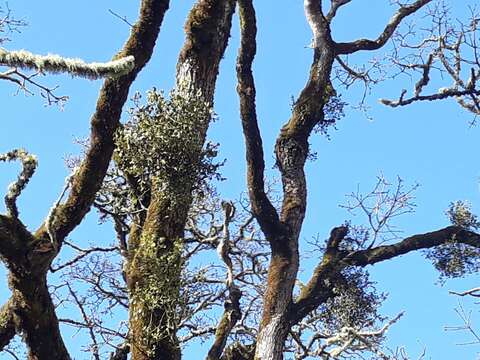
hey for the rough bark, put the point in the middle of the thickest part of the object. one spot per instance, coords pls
(37, 320)
(7, 324)
(262, 208)
(207, 31)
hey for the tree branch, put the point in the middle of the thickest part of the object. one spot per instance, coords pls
(262, 208)
(412, 243)
(14, 238)
(232, 312)
(105, 120)
(336, 4)
(366, 44)
(57, 64)
(443, 93)
(475, 292)
(292, 144)
(320, 287)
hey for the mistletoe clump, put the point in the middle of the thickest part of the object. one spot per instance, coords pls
(160, 145)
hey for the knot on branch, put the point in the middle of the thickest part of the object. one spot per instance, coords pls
(29, 164)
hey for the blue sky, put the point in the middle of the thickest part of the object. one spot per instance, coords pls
(428, 143)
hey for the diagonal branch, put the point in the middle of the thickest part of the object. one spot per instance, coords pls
(105, 121)
(366, 44)
(262, 208)
(412, 243)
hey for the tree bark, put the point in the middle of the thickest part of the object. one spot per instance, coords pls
(155, 260)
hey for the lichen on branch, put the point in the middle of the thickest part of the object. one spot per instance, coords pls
(57, 64)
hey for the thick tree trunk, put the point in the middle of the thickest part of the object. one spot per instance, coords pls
(155, 255)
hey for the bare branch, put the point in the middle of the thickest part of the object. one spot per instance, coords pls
(232, 312)
(365, 44)
(475, 292)
(447, 48)
(443, 93)
(83, 254)
(80, 304)
(412, 243)
(26, 81)
(350, 340)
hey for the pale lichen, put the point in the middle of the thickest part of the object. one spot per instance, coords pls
(57, 64)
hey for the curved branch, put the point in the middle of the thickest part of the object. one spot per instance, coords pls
(232, 312)
(29, 164)
(262, 208)
(105, 121)
(366, 44)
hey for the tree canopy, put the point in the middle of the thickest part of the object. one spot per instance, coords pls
(188, 260)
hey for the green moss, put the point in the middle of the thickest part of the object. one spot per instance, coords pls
(155, 298)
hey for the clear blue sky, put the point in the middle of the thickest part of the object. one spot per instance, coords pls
(428, 143)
